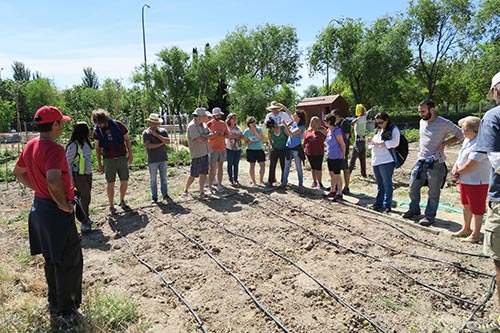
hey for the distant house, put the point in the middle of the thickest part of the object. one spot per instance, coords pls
(322, 105)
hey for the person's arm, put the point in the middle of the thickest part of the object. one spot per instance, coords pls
(56, 190)
(449, 141)
(22, 175)
(259, 134)
(468, 166)
(269, 138)
(341, 142)
(128, 144)
(98, 155)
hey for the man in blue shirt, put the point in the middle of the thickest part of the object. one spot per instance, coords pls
(488, 141)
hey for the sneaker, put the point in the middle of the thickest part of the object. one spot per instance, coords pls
(426, 221)
(220, 188)
(332, 196)
(491, 326)
(409, 214)
(203, 195)
(346, 191)
(339, 197)
(385, 210)
(112, 210)
(125, 207)
(314, 185)
(322, 187)
(375, 207)
(85, 228)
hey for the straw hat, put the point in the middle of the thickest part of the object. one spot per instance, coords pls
(274, 106)
(155, 118)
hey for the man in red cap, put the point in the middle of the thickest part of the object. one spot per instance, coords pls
(42, 167)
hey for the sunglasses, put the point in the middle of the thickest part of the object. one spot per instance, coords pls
(379, 122)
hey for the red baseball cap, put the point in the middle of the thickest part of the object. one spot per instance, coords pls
(49, 114)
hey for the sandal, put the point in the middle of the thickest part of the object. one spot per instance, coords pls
(470, 239)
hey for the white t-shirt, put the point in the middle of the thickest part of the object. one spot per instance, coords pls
(481, 173)
(279, 117)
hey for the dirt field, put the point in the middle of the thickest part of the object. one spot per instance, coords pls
(287, 260)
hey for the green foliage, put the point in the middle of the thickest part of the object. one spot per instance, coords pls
(287, 96)
(249, 96)
(7, 114)
(29, 318)
(110, 312)
(179, 157)
(412, 135)
(89, 78)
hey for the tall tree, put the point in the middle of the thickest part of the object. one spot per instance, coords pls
(438, 29)
(90, 78)
(21, 72)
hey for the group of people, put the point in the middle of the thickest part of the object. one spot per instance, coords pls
(288, 140)
(54, 173)
(61, 179)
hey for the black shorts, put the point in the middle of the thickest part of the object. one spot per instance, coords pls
(316, 161)
(335, 166)
(256, 156)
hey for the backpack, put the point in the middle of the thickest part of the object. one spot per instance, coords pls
(399, 153)
(352, 136)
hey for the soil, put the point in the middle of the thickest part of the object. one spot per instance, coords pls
(310, 264)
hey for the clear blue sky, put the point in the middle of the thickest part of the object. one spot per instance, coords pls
(60, 38)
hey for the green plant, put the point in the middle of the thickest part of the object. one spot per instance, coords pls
(110, 311)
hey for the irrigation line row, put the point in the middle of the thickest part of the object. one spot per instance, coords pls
(375, 258)
(480, 255)
(165, 281)
(221, 265)
(487, 297)
(451, 264)
(323, 286)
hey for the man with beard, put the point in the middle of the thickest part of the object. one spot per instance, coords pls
(430, 168)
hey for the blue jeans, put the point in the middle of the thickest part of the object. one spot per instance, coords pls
(383, 176)
(233, 162)
(153, 171)
(294, 154)
(434, 177)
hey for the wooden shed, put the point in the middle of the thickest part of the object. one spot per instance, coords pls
(322, 105)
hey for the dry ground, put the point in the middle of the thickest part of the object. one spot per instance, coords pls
(312, 265)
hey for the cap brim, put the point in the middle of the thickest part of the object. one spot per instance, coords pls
(271, 108)
(66, 118)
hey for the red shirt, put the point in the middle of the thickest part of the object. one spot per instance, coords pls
(219, 142)
(111, 152)
(314, 143)
(38, 157)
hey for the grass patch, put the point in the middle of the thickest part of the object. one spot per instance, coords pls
(110, 312)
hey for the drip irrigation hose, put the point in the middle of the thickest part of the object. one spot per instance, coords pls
(375, 258)
(487, 297)
(348, 204)
(165, 281)
(451, 264)
(324, 287)
(221, 265)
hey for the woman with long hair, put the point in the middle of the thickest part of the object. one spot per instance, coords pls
(254, 137)
(314, 146)
(386, 137)
(79, 156)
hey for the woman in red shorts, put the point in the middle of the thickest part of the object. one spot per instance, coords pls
(473, 170)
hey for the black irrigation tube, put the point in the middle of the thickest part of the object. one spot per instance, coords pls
(375, 258)
(221, 265)
(487, 297)
(325, 288)
(454, 265)
(480, 255)
(165, 281)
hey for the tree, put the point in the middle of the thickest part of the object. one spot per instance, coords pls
(438, 28)
(269, 51)
(90, 78)
(287, 96)
(311, 91)
(7, 115)
(249, 96)
(21, 72)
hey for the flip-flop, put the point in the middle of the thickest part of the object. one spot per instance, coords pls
(471, 240)
(112, 210)
(461, 235)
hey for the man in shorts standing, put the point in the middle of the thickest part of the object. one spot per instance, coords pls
(488, 141)
(218, 144)
(113, 143)
(42, 167)
(198, 135)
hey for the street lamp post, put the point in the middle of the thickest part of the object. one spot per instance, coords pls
(328, 58)
(146, 75)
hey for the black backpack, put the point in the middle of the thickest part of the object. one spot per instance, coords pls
(400, 153)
